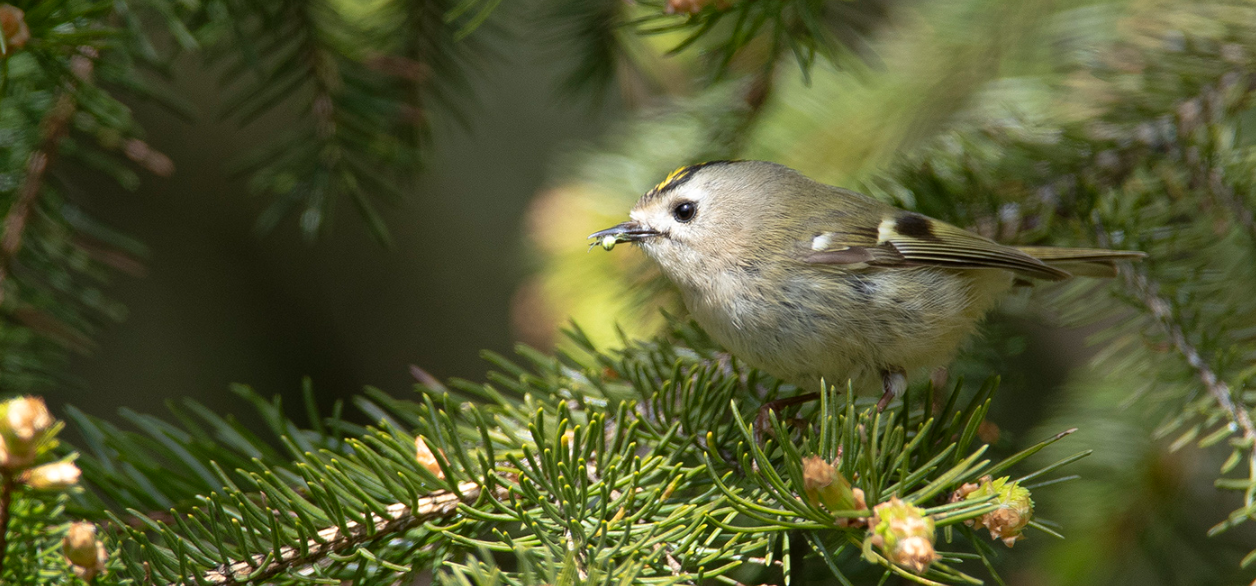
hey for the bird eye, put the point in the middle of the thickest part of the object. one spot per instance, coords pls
(684, 211)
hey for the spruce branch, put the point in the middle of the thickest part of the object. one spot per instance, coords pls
(55, 127)
(366, 83)
(34, 478)
(1146, 292)
(1225, 194)
(733, 136)
(626, 460)
(7, 484)
(334, 540)
(59, 114)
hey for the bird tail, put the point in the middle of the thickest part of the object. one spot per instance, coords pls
(1082, 262)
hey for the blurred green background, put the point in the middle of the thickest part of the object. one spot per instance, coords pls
(979, 111)
(221, 304)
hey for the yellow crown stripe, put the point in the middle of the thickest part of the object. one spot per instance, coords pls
(673, 176)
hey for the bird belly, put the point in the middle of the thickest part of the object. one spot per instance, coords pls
(839, 325)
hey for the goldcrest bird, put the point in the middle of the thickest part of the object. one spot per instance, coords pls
(808, 281)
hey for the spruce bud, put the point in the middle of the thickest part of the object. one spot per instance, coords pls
(1016, 509)
(13, 25)
(904, 534)
(426, 458)
(823, 484)
(86, 553)
(54, 476)
(24, 424)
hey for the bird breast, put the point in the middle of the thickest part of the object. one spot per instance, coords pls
(801, 323)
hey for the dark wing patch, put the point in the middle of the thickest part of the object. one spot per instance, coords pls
(914, 226)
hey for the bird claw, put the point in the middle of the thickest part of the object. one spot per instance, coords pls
(763, 421)
(894, 382)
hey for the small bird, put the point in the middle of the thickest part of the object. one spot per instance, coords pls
(808, 281)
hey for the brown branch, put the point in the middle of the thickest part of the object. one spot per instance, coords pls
(333, 540)
(55, 124)
(1147, 293)
(6, 503)
(1225, 195)
(754, 97)
(1188, 115)
(1205, 109)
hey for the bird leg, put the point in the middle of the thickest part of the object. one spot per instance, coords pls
(938, 379)
(763, 421)
(894, 382)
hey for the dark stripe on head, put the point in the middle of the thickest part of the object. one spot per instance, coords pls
(914, 226)
(679, 177)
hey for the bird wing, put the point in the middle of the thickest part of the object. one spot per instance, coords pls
(911, 239)
(1083, 262)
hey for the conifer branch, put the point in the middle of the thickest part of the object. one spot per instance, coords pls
(6, 503)
(753, 98)
(55, 125)
(1147, 293)
(332, 540)
(1224, 194)
(1205, 108)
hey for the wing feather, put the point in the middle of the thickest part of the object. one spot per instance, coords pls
(910, 239)
(1085, 262)
(869, 233)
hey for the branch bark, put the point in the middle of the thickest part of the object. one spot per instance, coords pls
(56, 124)
(333, 540)
(1147, 293)
(6, 502)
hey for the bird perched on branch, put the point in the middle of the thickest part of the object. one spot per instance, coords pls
(808, 281)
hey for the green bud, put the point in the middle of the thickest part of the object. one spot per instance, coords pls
(904, 534)
(1015, 510)
(608, 242)
(823, 484)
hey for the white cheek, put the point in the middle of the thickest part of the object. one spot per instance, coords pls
(822, 242)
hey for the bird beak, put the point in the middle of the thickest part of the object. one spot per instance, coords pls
(630, 231)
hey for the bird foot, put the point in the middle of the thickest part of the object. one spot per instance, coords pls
(763, 421)
(894, 382)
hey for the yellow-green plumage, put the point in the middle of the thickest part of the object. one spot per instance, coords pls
(806, 280)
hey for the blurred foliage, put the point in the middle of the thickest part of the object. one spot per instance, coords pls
(1117, 123)
(56, 109)
(364, 78)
